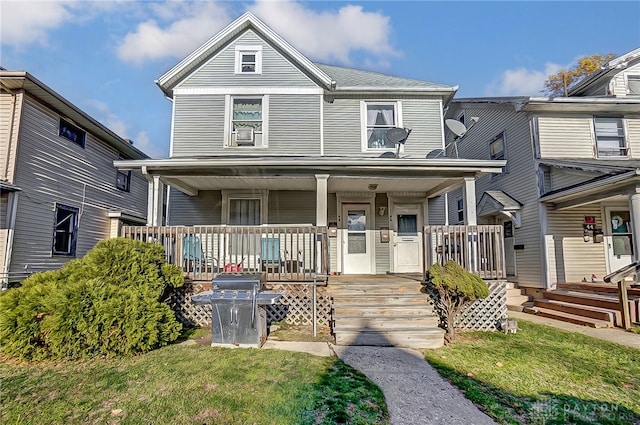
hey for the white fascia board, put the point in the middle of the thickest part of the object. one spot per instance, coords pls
(234, 27)
(245, 90)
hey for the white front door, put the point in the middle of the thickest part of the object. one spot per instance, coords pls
(357, 247)
(620, 240)
(407, 239)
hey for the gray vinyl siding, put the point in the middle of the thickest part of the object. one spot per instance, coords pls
(519, 181)
(436, 211)
(198, 127)
(51, 169)
(574, 258)
(381, 249)
(561, 178)
(202, 210)
(566, 136)
(6, 106)
(343, 128)
(293, 126)
(292, 207)
(4, 203)
(219, 71)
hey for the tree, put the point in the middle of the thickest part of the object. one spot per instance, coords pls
(558, 84)
(454, 288)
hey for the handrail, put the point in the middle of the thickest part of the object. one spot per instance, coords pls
(618, 277)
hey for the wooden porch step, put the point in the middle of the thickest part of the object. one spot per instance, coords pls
(611, 316)
(571, 318)
(367, 310)
(382, 299)
(375, 289)
(409, 338)
(355, 323)
(575, 297)
(599, 287)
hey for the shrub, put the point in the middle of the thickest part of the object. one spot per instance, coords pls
(454, 289)
(107, 303)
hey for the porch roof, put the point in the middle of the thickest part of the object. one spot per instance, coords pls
(432, 176)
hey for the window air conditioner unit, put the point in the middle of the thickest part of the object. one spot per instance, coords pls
(244, 136)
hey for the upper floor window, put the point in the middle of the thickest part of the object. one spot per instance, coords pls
(378, 118)
(71, 132)
(633, 84)
(247, 126)
(123, 178)
(248, 60)
(65, 230)
(610, 140)
(496, 147)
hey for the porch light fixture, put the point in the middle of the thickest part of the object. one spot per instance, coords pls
(381, 211)
(373, 187)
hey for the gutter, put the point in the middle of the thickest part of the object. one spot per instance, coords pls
(581, 188)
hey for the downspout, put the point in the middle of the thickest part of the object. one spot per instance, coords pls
(10, 232)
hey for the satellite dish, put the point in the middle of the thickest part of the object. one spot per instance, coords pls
(456, 127)
(387, 155)
(397, 135)
(437, 153)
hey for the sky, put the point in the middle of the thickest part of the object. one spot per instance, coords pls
(104, 56)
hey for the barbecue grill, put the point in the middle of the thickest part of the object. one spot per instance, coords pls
(238, 316)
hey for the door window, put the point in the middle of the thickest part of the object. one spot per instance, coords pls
(356, 232)
(621, 233)
(407, 224)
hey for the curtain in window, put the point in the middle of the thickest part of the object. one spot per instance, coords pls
(244, 212)
(247, 113)
(379, 119)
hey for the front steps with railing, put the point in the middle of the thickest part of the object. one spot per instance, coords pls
(384, 311)
(593, 305)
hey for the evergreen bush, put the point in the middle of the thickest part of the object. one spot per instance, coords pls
(454, 288)
(107, 303)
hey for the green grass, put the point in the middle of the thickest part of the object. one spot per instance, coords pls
(543, 375)
(191, 385)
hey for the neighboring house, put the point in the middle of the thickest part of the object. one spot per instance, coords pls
(569, 197)
(263, 136)
(59, 191)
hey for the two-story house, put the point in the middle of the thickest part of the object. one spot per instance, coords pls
(261, 135)
(569, 197)
(59, 191)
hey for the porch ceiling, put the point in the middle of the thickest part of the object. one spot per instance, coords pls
(432, 186)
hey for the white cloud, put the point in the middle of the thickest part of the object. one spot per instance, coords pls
(143, 142)
(26, 22)
(195, 22)
(328, 35)
(522, 81)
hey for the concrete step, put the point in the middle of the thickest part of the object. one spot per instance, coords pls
(514, 292)
(364, 310)
(518, 299)
(409, 338)
(611, 316)
(571, 318)
(384, 323)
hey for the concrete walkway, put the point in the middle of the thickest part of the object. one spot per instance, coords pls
(616, 335)
(415, 393)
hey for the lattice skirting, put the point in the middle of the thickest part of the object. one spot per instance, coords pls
(485, 314)
(295, 307)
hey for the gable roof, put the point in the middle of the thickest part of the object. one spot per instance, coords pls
(22, 80)
(176, 74)
(607, 71)
(350, 79)
(333, 79)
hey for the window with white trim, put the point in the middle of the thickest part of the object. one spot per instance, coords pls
(65, 230)
(378, 118)
(247, 122)
(496, 147)
(244, 207)
(123, 178)
(610, 139)
(633, 85)
(460, 209)
(248, 60)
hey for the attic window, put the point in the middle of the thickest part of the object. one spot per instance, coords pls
(633, 84)
(248, 60)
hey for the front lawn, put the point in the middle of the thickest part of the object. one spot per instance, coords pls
(191, 385)
(543, 375)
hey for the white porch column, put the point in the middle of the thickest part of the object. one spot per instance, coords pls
(321, 199)
(634, 209)
(469, 197)
(155, 201)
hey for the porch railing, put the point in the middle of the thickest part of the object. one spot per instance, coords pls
(479, 249)
(284, 253)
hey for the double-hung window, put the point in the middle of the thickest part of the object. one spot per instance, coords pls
(378, 118)
(248, 60)
(460, 210)
(123, 178)
(610, 140)
(496, 147)
(633, 85)
(65, 230)
(247, 126)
